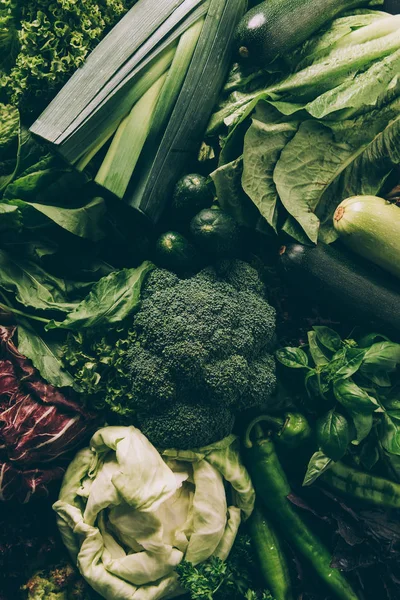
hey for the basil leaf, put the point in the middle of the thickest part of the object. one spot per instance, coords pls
(355, 358)
(318, 464)
(369, 454)
(389, 433)
(328, 338)
(333, 435)
(110, 300)
(363, 425)
(382, 356)
(316, 352)
(368, 340)
(353, 398)
(294, 358)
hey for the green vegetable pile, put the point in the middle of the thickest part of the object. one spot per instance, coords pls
(316, 126)
(352, 388)
(245, 429)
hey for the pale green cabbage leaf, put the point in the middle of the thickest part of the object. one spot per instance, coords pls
(128, 514)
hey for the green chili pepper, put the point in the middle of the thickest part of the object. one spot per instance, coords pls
(363, 486)
(271, 558)
(272, 489)
(292, 431)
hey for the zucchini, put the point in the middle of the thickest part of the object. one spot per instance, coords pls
(275, 27)
(175, 253)
(191, 194)
(216, 232)
(348, 284)
(371, 227)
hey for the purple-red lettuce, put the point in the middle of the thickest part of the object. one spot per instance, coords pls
(40, 425)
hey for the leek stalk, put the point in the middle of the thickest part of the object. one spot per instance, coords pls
(126, 147)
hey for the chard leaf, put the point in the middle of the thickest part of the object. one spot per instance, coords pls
(318, 464)
(111, 300)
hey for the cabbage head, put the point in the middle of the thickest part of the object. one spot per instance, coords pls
(128, 515)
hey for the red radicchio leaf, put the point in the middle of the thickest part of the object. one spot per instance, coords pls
(38, 424)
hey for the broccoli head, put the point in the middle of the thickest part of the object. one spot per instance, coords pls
(201, 353)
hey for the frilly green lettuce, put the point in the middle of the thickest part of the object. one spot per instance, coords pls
(128, 515)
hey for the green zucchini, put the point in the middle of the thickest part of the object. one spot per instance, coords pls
(216, 232)
(275, 27)
(371, 227)
(175, 253)
(348, 285)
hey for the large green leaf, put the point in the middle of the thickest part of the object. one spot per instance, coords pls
(32, 285)
(45, 355)
(110, 301)
(263, 144)
(86, 221)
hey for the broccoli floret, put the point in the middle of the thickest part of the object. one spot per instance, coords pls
(187, 426)
(205, 341)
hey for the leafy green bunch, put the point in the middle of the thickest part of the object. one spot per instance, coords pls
(43, 42)
(233, 579)
(97, 361)
(353, 389)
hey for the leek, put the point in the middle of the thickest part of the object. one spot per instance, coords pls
(199, 94)
(128, 142)
(132, 31)
(124, 143)
(140, 87)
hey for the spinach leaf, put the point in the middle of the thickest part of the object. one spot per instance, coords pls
(32, 285)
(45, 355)
(295, 358)
(318, 464)
(333, 434)
(111, 300)
(10, 218)
(87, 221)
